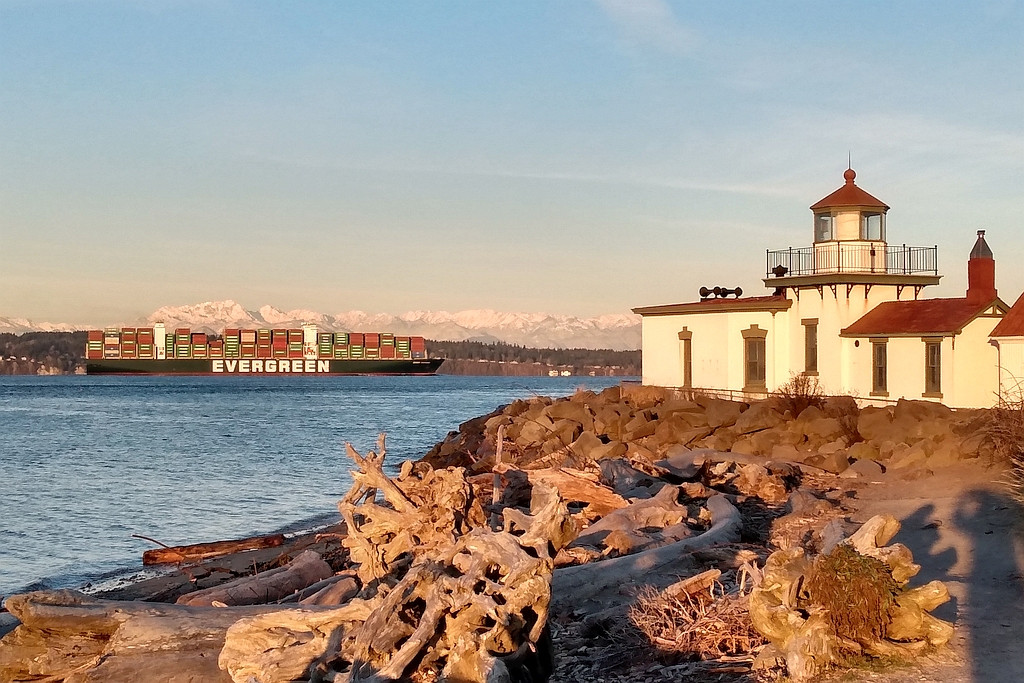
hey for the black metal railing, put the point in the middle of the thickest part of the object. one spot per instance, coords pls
(839, 257)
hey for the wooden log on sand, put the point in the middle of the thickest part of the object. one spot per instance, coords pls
(202, 551)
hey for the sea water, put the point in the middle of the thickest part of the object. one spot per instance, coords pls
(86, 462)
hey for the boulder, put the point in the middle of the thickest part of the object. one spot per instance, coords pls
(533, 433)
(833, 446)
(721, 440)
(862, 450)
(976, 445)
(758, 416)
(585, 444)
(864, 469)
(719, 412)
(835, 462)
(675, 405)
(569, 410)
(912, 457)
(918, 411)
(822, 429)
(875, 424)
(945, 454)
(810, 413)
(612, 449)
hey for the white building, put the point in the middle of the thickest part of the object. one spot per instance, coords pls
(847, 309)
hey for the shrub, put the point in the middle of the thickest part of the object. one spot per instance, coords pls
(798, 394)
(1007, 432)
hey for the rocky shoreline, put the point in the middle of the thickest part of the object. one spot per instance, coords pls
(647, 486)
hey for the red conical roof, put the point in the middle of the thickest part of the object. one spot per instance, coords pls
(849, 195)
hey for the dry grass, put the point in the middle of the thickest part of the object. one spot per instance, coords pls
(856, 591)
(709, 625)
(1007, 431)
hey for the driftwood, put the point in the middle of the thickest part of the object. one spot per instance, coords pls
(65, 635)
(270, 586)
(578, 587)
(640, 525)
(472, 609)
(864, 609)
(202, 551)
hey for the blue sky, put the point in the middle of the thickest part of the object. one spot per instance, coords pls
(571, 156)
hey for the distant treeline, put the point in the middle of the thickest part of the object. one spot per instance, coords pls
(579, 361)
(59, 352)
(64, 352)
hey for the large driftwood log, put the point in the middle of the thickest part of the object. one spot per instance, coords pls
(574, 588)
(810, 635)
(304, 570)
(640, 525)
(65, 635)
(202, 551)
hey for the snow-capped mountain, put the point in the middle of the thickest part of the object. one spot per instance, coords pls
(613, 331)
(22, 325)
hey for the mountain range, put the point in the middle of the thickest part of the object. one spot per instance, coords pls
(619, 332)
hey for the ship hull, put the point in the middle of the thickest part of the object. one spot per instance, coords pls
(258, 367)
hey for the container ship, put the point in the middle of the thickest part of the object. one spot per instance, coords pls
(299, 351)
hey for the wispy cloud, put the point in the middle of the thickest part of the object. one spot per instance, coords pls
(650, 23)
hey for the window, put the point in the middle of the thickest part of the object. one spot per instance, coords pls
(810, 346)
(878, 368)
(872, 226)
(823, 224)
(933, 368)
(754, 359)
(685, 339)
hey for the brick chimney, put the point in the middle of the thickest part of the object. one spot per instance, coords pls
(981, 272)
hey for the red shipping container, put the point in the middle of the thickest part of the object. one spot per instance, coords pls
(356, 339)
(198, 338)
(264, 352)
(93, 355)
(417, 343)
(371, 340)
(95, 335)
(183, 331)
(231, 332)
(295, 353)
(387, 352)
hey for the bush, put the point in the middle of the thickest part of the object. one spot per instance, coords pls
(799, 393)
(1007, 432)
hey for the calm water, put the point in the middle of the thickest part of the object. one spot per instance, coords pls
(87, 461)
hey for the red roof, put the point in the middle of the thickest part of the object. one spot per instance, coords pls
(750, 303)
(1012, 324)
(926, 316)
(849, 195)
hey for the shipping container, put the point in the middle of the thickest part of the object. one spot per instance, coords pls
(387, 339)
(95, 335)
(387, 352)
(355, 351)
(371, 340)
(248, 351)
(183, 351)
(199, 338)
(247, 336)
(295, 334)
(355, 339)
(340, 351)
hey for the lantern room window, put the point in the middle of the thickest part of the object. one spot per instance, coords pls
(872, 226)
(824, 227)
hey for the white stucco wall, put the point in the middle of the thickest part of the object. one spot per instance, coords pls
(969, 367)
(1011, 367)
(716, 348)
(833, 312)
